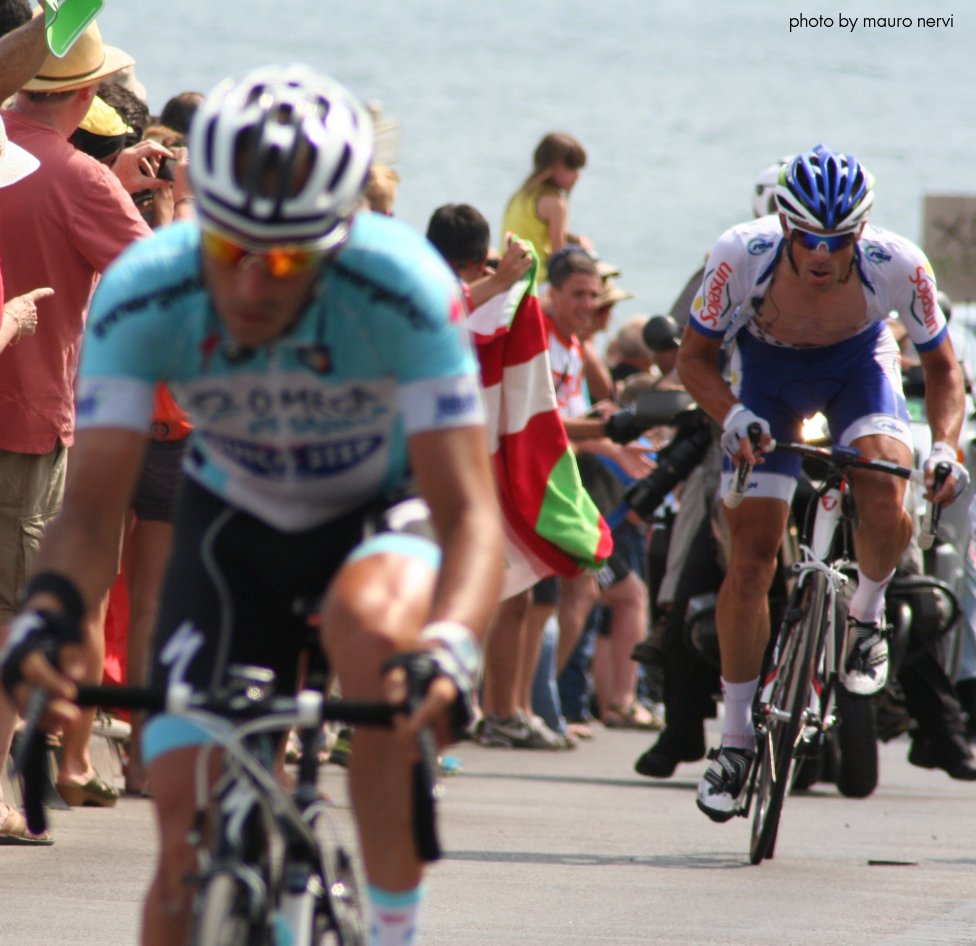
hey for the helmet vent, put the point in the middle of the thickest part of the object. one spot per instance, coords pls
(341, 166)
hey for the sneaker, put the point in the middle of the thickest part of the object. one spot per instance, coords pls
(866, 669)
(518, 732)
(554, 738)
(722, 790)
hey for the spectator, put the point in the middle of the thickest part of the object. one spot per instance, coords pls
(132, 108)
(574, 298)
(538, 211)
(381, 189)
(461, 234)
(62, 227)
(19, 318)
(627, 354)
(179, 111)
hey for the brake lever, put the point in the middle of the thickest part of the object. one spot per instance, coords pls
(743, 471)
(423, 782)
(933, 512)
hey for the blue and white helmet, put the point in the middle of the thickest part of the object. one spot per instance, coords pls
(280, 155)
(823, 190)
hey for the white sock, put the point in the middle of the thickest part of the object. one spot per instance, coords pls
(393, 916)
(738, 731)
(868, 602)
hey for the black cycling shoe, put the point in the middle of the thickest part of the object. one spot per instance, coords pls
(928, 754)
(672, 747)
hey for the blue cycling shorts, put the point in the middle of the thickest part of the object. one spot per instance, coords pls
(856, 384)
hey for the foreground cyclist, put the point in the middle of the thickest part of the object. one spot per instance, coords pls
(321, 358)
(806, 297)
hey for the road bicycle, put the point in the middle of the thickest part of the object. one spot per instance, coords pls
(801, 699)
(265, 876)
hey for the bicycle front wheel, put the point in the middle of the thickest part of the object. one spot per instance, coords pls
(783, 713)
(341, 922)
(223, 915)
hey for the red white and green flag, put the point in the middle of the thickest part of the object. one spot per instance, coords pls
(551, 524)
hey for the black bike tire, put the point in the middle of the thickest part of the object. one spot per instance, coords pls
(220, 916)
(857, 744)
(791, 689)
(343, 917)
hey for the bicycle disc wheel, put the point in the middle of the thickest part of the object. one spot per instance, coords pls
(780, 732)
(222, 915)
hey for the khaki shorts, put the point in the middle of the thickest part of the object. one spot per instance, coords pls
(31, 490)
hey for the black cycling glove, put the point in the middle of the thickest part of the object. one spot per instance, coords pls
(45, 631)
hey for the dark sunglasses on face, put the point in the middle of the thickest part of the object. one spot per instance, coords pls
(831, 242)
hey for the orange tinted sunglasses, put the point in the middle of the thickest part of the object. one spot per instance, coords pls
(281, 261)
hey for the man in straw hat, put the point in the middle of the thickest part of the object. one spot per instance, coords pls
(62, 226)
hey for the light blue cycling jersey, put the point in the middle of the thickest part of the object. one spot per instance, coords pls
(314, 425)
(895, 277)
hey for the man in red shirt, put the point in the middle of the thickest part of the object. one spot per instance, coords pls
(62, 226)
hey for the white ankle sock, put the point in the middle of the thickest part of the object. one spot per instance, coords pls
(867, 603)
(393, 916)
(738, 731)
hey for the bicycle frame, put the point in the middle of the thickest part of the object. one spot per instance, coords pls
(794, 706)
(295, 890)
(263, 876)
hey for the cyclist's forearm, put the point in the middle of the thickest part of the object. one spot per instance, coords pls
(704, 382)
(470, 565)
(944, 398)
(453, 473)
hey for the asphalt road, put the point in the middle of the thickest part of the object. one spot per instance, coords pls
(573, 848)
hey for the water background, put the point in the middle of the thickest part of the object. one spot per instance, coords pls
(679, 104)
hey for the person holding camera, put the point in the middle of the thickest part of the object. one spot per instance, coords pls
(806, 297)
(692, 568)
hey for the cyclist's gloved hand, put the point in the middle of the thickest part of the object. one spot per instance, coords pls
(31, 632)
(623, 426)
(945, 453)
(736, 426)
(456, 655)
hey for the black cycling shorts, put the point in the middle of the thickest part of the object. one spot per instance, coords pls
(239, 591)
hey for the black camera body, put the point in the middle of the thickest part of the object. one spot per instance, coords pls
(674, 463)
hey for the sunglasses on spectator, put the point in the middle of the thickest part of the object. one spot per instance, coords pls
(281, 261)
(830, 242)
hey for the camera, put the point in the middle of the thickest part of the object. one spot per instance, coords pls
(674, 463)
(165, 171)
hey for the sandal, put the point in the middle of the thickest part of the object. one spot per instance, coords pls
(633, 716)
(95, 793)
(14, 831)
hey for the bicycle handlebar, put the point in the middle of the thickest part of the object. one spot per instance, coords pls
(308, 709)
(845, 458)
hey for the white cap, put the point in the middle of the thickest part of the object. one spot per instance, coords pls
(15, 162)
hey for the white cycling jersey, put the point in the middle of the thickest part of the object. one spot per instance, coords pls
(895, 277)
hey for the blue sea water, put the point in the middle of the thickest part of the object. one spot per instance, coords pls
(679, 104)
